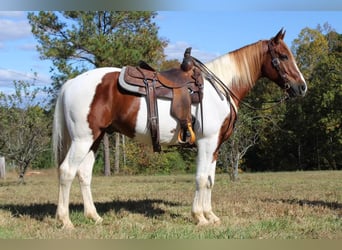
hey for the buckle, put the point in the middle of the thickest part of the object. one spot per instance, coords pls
(276, 62)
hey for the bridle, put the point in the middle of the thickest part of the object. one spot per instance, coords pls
(276, 64)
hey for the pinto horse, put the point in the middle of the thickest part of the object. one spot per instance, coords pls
(93, 103)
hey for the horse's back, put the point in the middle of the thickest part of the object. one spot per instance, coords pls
(88, 81)
(77, 94)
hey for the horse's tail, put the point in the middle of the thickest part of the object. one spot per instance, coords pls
(61, 136)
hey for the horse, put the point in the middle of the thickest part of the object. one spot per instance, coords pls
(93, 103)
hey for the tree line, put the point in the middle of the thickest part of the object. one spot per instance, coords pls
(309, 129)
(301, 134)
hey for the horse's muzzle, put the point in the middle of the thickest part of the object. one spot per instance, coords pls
(296, 89)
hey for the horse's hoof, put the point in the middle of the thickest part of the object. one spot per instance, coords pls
(98, 221)
(216, 222)
(68, 226)
(202, 223)
(212, 218)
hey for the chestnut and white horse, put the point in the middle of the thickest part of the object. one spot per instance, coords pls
(93, 103)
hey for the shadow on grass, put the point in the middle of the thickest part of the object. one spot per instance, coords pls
(146, 207)
(301, 202)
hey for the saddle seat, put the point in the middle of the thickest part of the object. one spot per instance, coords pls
(182, 85)
(172, 78)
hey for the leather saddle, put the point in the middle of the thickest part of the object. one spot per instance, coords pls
(183, 85)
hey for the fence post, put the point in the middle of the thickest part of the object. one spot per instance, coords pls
(2, 167)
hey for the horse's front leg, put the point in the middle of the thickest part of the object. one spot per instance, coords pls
(208, 213)
(205, 178)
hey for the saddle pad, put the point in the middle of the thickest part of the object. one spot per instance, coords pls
(137, 86)
(127, 86)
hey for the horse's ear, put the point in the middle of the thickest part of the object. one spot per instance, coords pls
(280, 36)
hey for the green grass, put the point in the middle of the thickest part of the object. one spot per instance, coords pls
(296, 205)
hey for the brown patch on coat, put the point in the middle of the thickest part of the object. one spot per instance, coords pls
(225, 131)
(112, 109)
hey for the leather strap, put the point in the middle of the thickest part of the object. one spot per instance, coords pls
(153, 117)
(276, 64)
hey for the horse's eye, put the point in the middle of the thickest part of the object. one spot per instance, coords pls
(283, 57)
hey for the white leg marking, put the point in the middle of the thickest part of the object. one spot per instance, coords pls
(201, 209)
(84, 175)
(66, 176)
(78, 160)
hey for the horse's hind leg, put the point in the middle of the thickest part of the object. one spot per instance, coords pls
(84, 175)
(78, 158)
(66, 173)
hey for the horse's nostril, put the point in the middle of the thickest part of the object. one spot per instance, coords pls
(303, 87)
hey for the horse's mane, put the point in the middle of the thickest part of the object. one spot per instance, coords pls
(241, 67)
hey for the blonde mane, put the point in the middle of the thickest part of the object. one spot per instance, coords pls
(240, 68)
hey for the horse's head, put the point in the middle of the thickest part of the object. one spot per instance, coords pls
(280, 66)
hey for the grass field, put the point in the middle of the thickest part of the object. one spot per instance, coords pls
(296, 205)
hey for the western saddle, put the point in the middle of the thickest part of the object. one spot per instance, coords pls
(183, 85)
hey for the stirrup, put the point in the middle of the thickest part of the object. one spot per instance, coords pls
(192, 138)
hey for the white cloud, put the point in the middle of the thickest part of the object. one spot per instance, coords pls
(7, 76)
(176, 51)
(14, 29)
(15, 14)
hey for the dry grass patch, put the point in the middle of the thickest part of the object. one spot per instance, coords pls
(301, 205)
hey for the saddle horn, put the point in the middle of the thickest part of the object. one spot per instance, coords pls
(187, 63)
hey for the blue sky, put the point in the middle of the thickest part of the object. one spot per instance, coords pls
(210, 33)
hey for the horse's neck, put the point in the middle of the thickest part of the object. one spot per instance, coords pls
(239, 69)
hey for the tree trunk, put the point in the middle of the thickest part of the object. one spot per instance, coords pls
(106, 155)
(235, 168)
(22, 171)
(124, 150)
(117, 153)
(2, 168)
(21, 178)
(299, 151)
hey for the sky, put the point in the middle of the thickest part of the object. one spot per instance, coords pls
(210, 34)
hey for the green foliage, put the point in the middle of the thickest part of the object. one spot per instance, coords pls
(136, 158)
(140, 159)
(25, 128)
(79, 40)
(309, 48)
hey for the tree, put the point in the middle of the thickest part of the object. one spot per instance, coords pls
(309, 48)
(79, 40)
(253, 123)
(25, 126)
(244, 137)
(316, 120)
(326, 100)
